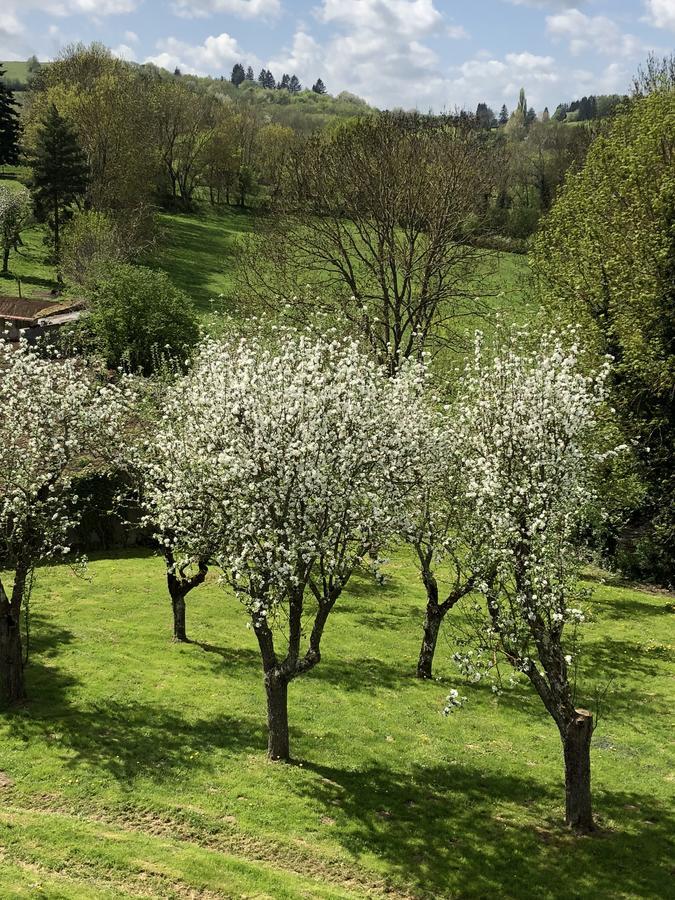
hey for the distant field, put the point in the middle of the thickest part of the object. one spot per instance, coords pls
(16, 71)
(138, 766)
(197, 251)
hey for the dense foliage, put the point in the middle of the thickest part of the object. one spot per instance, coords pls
(606, 258)
(137, 317)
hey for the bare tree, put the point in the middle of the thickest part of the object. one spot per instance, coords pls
(379, 217)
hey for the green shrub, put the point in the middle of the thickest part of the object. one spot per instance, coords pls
(137, 317)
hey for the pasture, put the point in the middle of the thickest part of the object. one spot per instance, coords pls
(138, 767)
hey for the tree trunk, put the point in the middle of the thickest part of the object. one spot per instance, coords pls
(277, 716)
(5, 261)
(178, 604)
(432, 625)
(12, 685)
(577, 752)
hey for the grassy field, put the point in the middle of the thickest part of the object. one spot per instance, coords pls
(16, 70)
(28, 264)
(197, 250)
(138, 767)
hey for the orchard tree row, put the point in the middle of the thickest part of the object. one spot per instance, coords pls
(287, 463)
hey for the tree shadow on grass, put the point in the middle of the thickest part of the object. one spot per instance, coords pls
(634, 609)
(457, 831)
(132, 739)
(198, 246)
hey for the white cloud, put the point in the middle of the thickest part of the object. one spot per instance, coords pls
(406, 18)
(661, 13)
(215, 56)
(499, 81)
(598, 33)
(131, 36)
(244, 9)
(376, 49)
(124, 51)
(552, 4)
(10, 24)
(457, 32)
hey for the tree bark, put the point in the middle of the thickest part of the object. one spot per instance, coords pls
(278, 745)
(5, 261)
(180, 585)
(178, 605)
(12, 684)
(432, 626)
(577, 752)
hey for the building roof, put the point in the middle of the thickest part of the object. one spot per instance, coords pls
(24, 310)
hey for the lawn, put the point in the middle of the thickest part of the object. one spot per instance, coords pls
(28, 264)
(138, 767)
(197, 251)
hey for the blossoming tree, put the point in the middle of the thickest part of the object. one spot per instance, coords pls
(52, 413)
(292, 453)
(434, 520)
(149, 467)
(527, 424)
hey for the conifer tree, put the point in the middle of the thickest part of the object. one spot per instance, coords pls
(238, 74)
(262, 78)
(294, 85)
(60, 175)
(9, 125)
(285, 82)
(504, 115)
(521, 109)
(319, 87)
(249, 74)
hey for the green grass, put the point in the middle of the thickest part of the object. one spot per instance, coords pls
(16, 70)
(28, 263)
(197, 251)
(138, 767)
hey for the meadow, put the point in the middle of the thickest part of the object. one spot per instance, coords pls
(138, 767)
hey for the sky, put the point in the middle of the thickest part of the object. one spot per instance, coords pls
(427, 54)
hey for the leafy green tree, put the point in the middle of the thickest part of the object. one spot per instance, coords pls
(60, 175)
(238, 74)
(246, 183)
(606, 257)
(15, 215)
(319, 87)
(137, 315)
(9, 125)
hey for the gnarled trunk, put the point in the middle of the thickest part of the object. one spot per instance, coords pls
(278, 744)
(12, 684)
(432, 626)
(577, 753)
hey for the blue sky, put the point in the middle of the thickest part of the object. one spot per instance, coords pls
(412, 53)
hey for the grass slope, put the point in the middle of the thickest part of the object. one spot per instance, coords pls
(197, 251)
(138, 767)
